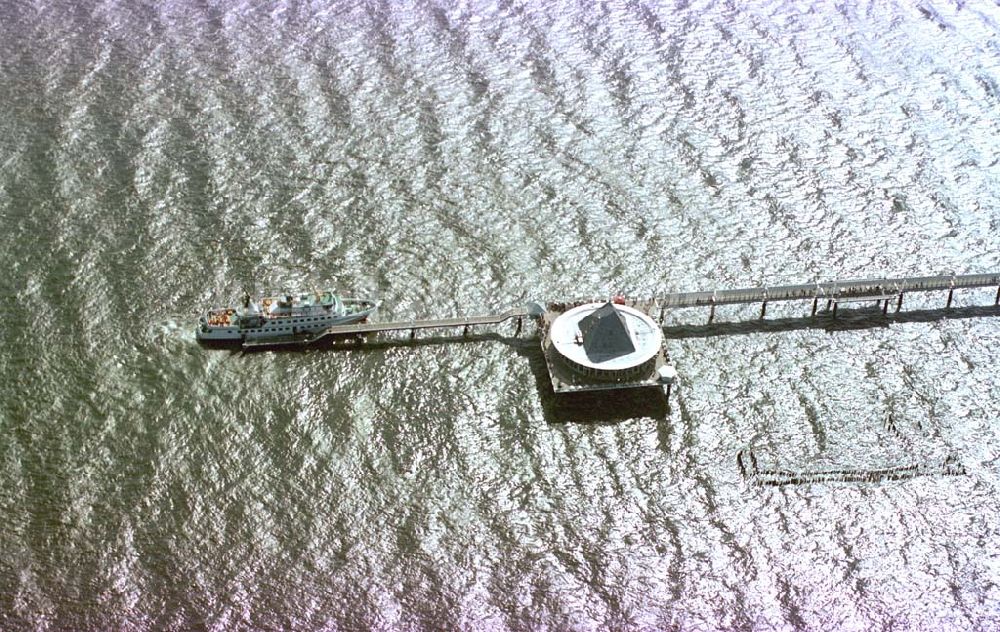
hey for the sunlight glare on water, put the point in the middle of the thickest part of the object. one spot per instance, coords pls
(465, 158)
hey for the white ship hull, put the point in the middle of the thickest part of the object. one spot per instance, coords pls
(276, 318)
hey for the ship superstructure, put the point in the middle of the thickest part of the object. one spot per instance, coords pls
(282, 316)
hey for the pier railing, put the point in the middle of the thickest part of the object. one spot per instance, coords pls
(833, 292)
(836, 290)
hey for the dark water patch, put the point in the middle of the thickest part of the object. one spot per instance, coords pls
(621, 81)
(934, 16)
(815, 424)
(380, 14)
(431, 134)
(542, 71)
(452, 34)
(650, 20)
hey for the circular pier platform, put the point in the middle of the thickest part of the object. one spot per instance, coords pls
(607, 342)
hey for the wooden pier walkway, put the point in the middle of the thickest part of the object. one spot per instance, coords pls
(833, 293)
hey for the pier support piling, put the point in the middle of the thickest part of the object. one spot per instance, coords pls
(951, 293)
(885, 307)
(763, 310)
(413, 334)
(815, 304)
(899, 302)
(997, 301)
(834, 309)
(711, 314)
(517, 331)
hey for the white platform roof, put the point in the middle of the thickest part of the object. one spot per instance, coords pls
(646, 336)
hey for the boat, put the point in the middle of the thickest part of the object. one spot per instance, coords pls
(283, 317)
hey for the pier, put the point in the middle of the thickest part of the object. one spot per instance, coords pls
(597, 345)
(882, 291)
(564, 367)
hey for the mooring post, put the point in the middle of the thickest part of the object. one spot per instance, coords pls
(815, 304)
(899, 302)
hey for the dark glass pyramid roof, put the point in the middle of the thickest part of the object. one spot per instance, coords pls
(605, 334)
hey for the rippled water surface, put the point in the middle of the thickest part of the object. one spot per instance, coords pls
(467, 157)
